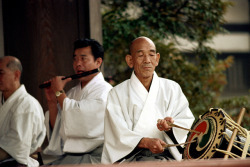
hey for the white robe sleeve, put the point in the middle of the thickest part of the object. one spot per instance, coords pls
(55, 141)
(121, 139)
(179, 110)
(181, 114)
(21, 132)
(83, 118)
(83, 122)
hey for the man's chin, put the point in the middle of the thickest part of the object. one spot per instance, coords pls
(148, 73)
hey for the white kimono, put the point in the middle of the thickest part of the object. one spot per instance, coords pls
(132, 113)
(22, 128)
(79, 126)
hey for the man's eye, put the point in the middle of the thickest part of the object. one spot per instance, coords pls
(83, 58)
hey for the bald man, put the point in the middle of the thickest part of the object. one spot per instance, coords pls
(22, 128)
(138, 110)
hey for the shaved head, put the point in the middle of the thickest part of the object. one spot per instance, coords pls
(138, 40)
(12, 63)
(143, 58)
(10, 75)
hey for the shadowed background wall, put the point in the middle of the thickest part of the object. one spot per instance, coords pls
(41, 34)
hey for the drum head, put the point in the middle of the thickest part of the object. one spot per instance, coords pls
(211, 125)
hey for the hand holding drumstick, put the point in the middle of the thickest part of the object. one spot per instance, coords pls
(167, 123)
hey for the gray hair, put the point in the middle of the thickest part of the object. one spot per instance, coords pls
(15, 64)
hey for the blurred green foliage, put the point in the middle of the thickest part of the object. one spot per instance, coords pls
(198, 71)
(233, 106)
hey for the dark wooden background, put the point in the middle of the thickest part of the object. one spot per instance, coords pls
(41, 34)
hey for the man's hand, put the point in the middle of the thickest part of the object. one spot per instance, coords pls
(162, 124)
(153, 144)
(58, 84)
(50, 95)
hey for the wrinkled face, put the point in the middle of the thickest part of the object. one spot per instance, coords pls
(7, 77)
(84, 60)
(144, 58)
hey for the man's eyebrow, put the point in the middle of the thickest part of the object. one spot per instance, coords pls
(79, 55)
(151, 50)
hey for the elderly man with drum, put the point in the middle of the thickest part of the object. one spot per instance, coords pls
(139, 112)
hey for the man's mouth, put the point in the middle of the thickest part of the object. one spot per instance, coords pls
(79, 71)
(147, 67)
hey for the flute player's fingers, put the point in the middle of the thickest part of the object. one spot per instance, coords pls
(58, 84)
(49, 94)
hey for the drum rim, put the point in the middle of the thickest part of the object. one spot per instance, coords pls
(218, 134)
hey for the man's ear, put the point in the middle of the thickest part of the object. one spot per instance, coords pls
(99, 61)
(17, 75)
(129, 61)
(157, 58)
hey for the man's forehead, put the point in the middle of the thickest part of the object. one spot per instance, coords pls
(5, 60)
(142, 44)
(3, 67)
(83, 50)
(146, 50)
(3, 63)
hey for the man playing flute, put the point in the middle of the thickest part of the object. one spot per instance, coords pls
(75, 121)
(135, 106)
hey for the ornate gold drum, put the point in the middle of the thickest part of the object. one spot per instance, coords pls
(215, 128)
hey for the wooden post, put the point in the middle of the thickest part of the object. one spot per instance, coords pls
(230, 145)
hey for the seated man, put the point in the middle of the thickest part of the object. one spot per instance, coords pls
(136, 105)
(75, 125)
(21, 117)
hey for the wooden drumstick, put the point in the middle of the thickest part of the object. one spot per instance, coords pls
(177, 126)
(172, 145)
(230, 145)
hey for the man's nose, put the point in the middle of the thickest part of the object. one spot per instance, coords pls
(146, 58)
(78, 62)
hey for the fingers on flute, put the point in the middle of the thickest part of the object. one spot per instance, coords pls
(47, 81)
(68, 79)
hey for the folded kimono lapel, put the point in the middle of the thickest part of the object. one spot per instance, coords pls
(79, 92)
(146, 124)
(138, 88)
(4, 109)
(6, 106)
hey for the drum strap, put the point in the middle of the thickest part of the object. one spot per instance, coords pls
(171, 136)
